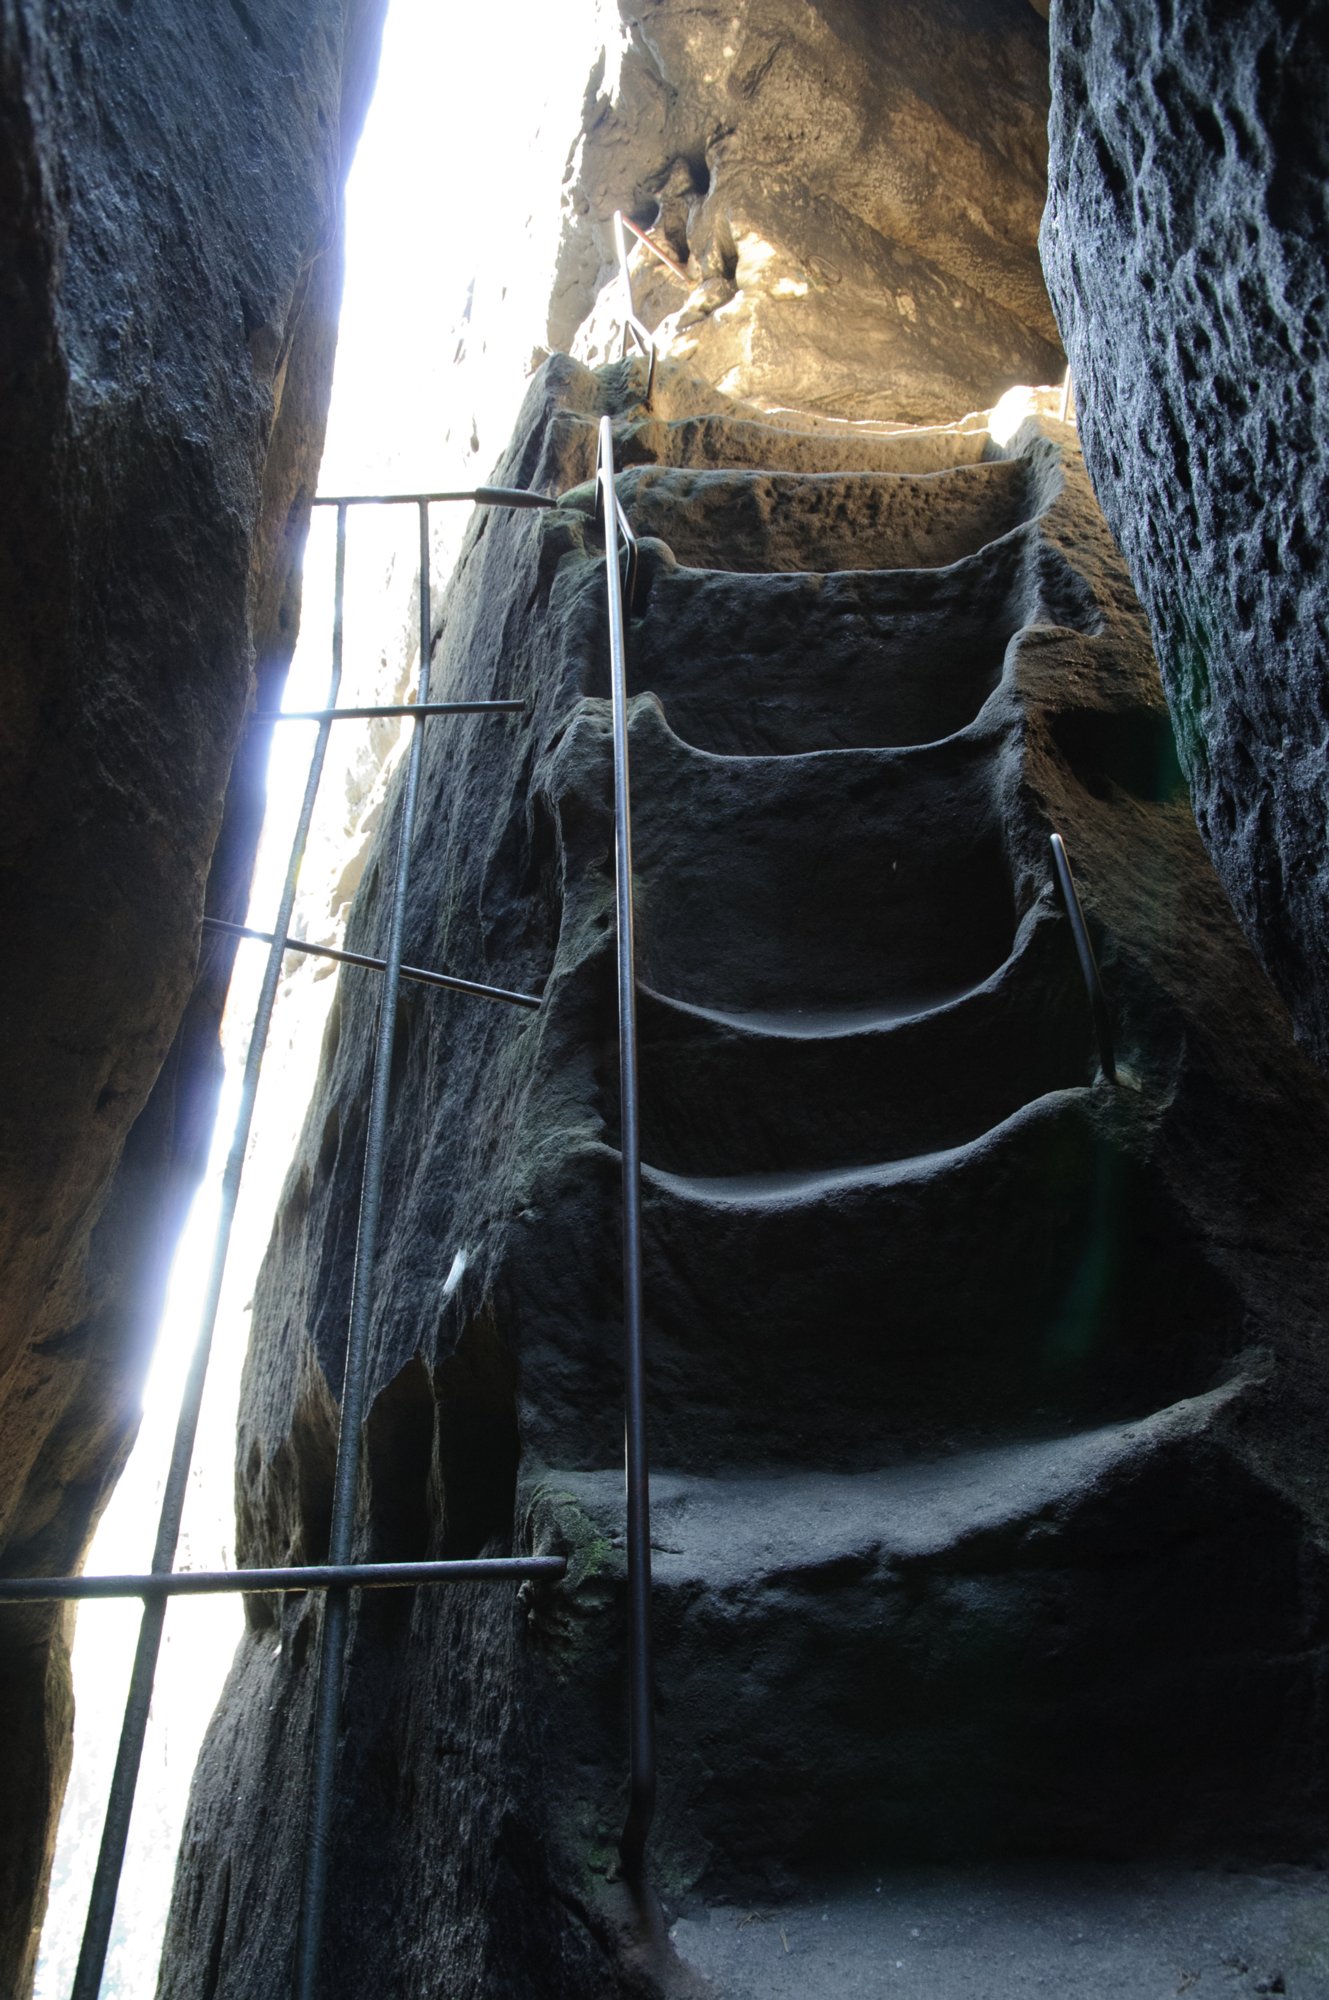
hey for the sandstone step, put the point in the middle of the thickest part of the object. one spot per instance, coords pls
(769, 441)
(749, 666)
(1059, 1644)
(839, 878)
(768, 522)
(733, 1093)
(831, 1318)
(722, 441)
(1092, 1931)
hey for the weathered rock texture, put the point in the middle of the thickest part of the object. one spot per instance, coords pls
(852, 191)
(985, 1396)
(169, 213)
(1185, 251)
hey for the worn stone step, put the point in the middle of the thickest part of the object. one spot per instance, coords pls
(1087, 1931)
(724, 442)
(733, 1093)
(864, 878)
(792, 441)
(1067, 1644)
(748, 666)
(764, 522)
(834, 1317)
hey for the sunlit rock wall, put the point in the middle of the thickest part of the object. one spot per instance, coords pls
(852, 192)
(1185, 252)
(170, 241)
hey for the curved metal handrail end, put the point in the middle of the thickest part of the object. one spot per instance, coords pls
(1098, 1006)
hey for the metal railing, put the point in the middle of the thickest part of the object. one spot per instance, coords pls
(632, 326)
(641, 1697)
(339, 1575)
(1084, 951)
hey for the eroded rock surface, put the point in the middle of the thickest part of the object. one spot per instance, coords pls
(1185, 252)
(984, 1396)
(169, 232)
(851, 193)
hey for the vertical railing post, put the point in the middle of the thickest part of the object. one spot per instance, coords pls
(133, 1731)
(641, 1698)
(336, 1616)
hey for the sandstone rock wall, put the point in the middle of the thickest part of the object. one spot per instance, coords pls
(1185, 252)
(170, 241)
(985, 1397)
(851, 190)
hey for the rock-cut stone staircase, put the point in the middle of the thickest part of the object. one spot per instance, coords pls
(961, 1562)
(945, 1563)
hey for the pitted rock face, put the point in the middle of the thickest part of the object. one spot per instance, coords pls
(851, 190)
(170, 186)
(1185, 252)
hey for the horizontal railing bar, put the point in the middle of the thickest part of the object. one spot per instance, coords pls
(303, 1576)
(415, 972)
(483, 496)
(421, 708)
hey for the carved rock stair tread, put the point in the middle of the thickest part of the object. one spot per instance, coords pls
(822, 1319)
(1096, 1931)
(848, 659)
(910, 905)
(767, 522)
(729, 1092)
(729, 442)
(1011, 1586)
(817, 656)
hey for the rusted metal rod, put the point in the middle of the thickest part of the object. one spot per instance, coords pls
(643, 336)
(655, 250)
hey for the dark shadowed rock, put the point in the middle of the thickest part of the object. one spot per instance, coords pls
(170, 246)
(1185, 251)
(851, 192)
(985, 1397)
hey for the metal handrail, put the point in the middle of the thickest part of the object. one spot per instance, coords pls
(336, 1616)
(292, 1576)
(377, 711)
(643, 336)
(134, 1728)
(654, 248)
(483, 496)
(1098, 1006)
(641, 1703)
(163, 1581)
(417, 973)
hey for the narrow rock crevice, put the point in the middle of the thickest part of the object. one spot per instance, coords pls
(972, 1535)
